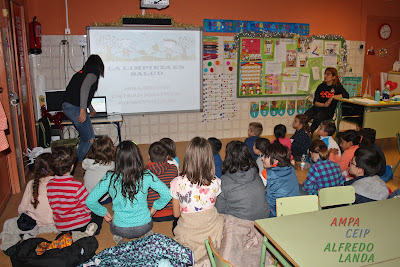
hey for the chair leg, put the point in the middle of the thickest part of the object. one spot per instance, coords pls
(263, 251)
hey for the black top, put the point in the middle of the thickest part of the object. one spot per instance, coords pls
(73, 91)
(324, 92)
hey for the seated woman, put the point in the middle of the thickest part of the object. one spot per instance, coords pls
(324, 99)
(243, 192)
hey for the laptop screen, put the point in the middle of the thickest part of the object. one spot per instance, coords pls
(99, 104)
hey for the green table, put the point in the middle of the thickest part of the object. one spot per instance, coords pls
(313, 239)
(384, 117)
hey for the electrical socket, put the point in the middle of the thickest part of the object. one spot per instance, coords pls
(64, 42)
(67, 31)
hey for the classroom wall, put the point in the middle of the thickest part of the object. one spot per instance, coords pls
(53, 68)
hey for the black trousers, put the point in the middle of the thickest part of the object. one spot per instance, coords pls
(317, 117)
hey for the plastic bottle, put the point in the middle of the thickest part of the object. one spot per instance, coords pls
(377, 95)
(303, 162)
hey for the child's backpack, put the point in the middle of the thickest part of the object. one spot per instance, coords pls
(44, 132)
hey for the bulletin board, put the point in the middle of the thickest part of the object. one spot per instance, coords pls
(283, 66)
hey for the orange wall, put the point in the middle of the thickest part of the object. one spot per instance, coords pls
(374, 64)
(344, 17)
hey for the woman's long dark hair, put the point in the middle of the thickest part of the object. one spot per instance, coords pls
(94, 61)
(129, 169)
(237, 158)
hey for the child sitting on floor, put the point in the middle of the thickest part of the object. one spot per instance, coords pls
(325, 131)
(324, 173)
(260, 145)
(216, 146)
(280, 135)
(282, 179)
(368, 138)
(301, 138)
(170, 144)
(67, 196)
(128, 187)
(254, 131)
(349, 142)
(364, 166)
(97, 163)
(158, 165)
(193, 199)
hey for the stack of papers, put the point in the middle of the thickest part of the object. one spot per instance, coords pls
(365, 101)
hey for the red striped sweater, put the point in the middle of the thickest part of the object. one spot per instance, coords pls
(67, 200)
(166, 173)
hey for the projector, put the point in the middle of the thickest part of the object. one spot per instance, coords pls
(159, 4)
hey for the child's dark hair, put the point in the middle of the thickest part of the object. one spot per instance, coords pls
(158, 152)
(96, 62)
(303, 120)
(42, 169)
(318, 146)
(216, 144)
(368, 136)
(198, 163)
(170, 144)
(256, 128)
(102, 151)
(261, 144)
(368, 159)
(63, 157)
(237, 158)
(329, 127)
(128, 167)
(351, 135)
(279, 132)
(277, 151)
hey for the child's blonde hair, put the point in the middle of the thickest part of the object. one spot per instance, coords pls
(256, 128)
(198, 163)
(102, 151)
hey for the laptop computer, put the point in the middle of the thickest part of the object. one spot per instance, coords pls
(99, 104)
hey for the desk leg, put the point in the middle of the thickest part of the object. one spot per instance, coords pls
(338, 115)
(272, 249)
(119, 131)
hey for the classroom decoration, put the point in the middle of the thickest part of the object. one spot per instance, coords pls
(264, 108)
(278, 108)
(291, 107)
(352, 85)
(222, 25)
(254, 109)
(271, 63)
(56, 118)
(219, 78)
(303, 105)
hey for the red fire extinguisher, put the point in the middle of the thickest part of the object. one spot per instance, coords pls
(35, 37)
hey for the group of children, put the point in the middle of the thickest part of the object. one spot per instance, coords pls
(246, 184)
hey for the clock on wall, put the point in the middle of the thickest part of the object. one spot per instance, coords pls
(385, 31)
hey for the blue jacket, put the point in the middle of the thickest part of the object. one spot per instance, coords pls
(281, 182)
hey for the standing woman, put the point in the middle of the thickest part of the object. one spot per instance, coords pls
(324, 99)
(77, 99)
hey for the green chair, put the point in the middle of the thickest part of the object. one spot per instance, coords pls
(215, 258)
(294, 205)
(398, 146)
(288, 206)
(337, 195)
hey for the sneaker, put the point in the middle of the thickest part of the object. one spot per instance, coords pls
(118, 240)
(91, 229)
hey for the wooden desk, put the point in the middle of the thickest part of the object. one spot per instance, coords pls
(302, 238)
(110, 119)
(382, 117)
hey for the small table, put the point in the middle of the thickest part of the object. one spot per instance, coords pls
(110, 119)
(384, 117)
(313, 239)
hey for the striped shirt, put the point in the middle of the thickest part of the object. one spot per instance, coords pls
(324, 173)
(67, 200)
(166, 172)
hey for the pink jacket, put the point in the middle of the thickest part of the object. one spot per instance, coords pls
(3, 126)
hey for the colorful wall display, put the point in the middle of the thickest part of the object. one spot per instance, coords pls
(222, 25)
(269, 66)
(352, 85)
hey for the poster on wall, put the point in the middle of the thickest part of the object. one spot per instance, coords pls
(278, 108)
(264, 108)
(282, 66)
(291, 107)
(352, 85)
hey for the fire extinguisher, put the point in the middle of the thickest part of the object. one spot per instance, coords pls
(35, 37)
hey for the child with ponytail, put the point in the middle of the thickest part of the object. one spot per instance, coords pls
(324, 173)
(301, 138)
(34, 203)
